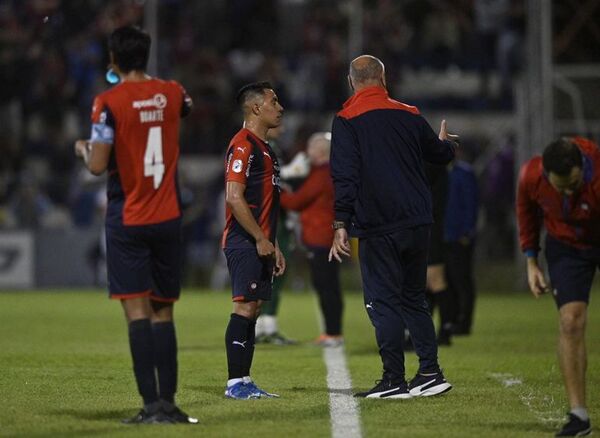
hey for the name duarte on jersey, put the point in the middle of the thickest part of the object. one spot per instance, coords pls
(158, 101)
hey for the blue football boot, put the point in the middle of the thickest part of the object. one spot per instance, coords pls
(259, 392)
(240, 391)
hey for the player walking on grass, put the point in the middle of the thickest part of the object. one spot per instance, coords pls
(382, 197)
(563, 187)
(249, 242)
(135, 136)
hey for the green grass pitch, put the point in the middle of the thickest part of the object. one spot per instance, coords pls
(66, 371)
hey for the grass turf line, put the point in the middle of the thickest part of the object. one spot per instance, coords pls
(66, 371)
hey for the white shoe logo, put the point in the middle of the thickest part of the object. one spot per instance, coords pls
(243, 344)
(369, 306)
(425, 385)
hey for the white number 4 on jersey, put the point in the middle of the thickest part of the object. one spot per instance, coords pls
(153, 158)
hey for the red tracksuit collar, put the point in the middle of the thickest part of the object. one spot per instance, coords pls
(374, 91)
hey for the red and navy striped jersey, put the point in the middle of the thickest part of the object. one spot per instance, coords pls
(573, 220)
(252, 162)
(141, 121)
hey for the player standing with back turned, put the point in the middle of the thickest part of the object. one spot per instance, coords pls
(135, 137)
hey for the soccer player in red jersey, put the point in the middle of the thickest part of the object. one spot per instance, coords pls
(249, 242)
(314, 201)
(562, 187)
(135, 137)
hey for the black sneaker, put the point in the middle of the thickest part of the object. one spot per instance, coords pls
(386, 389)
(144, 417)
(176, 415)
(426, 386)
(575, 427)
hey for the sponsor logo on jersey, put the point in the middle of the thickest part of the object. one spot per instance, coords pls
(250, 158)
(158, 101)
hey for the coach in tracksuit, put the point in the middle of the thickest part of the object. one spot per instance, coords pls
(382, 197)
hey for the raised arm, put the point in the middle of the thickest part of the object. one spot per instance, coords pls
(437, 148)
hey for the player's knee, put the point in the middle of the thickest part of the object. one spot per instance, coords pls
(572, 323)
(162, 312)
(247, 309)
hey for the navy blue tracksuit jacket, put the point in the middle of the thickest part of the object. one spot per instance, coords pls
(377, 153)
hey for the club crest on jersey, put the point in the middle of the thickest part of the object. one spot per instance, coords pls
(237, 166)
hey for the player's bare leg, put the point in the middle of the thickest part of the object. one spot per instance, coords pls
(161, 312)
(438, 287)
(571, 351)
(136, 308)
(247, 309)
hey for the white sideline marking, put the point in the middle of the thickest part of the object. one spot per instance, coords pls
(541, 406)
(343, 408)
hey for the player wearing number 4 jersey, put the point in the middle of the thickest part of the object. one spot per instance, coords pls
(135, 137)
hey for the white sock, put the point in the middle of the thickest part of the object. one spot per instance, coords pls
(582, 413)
(260, 326)
(232, 382)
(247, 379)
(269, 324)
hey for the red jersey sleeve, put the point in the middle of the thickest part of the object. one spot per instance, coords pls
(97, 108)
(586, 144)
(103, 123)
(239, 161)
(529, 216)
(302, 198)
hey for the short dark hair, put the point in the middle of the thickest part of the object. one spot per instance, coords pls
(130, 47)
(561, 156)
(251, 90)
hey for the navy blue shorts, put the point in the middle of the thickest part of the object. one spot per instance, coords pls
(251, 275)
(571, 271)
(144, 260)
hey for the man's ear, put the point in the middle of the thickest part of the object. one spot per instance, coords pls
(256, 109)
(383, 82)
(350, 83)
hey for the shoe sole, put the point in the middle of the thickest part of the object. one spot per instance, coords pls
(252, 397)
(382, 394)
(434, 390)
(395, 397)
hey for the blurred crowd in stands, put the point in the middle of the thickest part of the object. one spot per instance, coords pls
(53, 59)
